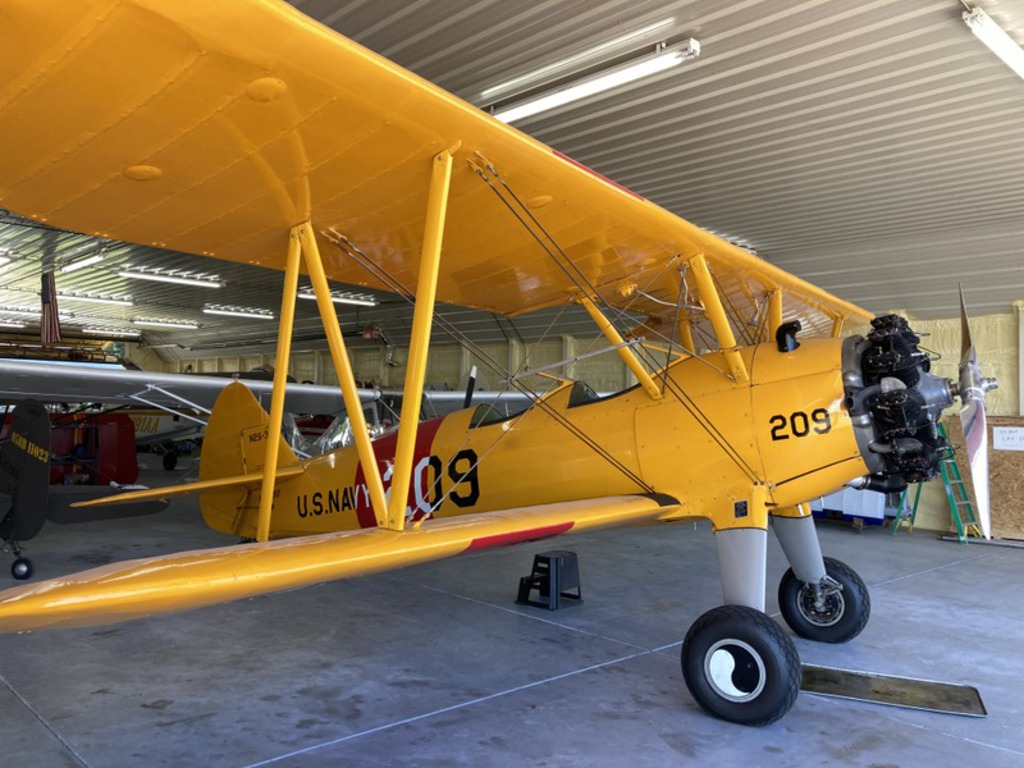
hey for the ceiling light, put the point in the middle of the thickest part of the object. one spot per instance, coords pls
(166, 324)
(565, 66)
(256, 314)
(995, 37)
(5, 324)
(88, 261)
(344, 298)
(111, 332)
(123, 302)
(650, 64)
(167, 277)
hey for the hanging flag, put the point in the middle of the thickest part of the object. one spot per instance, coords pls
(49, 325)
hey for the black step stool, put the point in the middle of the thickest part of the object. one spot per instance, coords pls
(555, 574)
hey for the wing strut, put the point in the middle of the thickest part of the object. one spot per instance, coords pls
(624, 350)
(284, 346)
(774, 313)
(419, 341)
(719, 320)
(343, 369)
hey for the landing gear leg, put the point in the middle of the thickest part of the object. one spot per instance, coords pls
(738, 664)
(821, 598)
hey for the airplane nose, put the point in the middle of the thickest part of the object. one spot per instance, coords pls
(895, 403)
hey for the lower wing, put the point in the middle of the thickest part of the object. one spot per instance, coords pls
(185, 580)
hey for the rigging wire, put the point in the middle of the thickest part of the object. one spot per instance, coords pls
(381, 274)
(644, 354)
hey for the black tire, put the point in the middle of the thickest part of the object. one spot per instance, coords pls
(170, 460)
(22, 569)
(843, 615)
(741, 666)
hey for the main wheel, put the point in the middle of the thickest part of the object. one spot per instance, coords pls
(740, 666)
(170, 460)
(21, 568)
(831, 614)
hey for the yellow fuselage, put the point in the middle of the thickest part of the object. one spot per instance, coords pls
(783, 438)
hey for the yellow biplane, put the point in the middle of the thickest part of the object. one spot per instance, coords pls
(242, 130)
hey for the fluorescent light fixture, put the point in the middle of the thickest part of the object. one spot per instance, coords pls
(167, 277)
(602, 81)
(166, 324)
(4, 261)
(343, 298)
(123, 302)
(256, 314)
(995, 37)
(5, 324)
(31, 313)
(577, 60)
(88, 261)
(111, 332)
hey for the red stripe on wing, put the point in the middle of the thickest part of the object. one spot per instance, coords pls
(515, 537)
(595, 174)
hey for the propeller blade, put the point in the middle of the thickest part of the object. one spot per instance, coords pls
(972, 418)
(973, 387)
(967, 353)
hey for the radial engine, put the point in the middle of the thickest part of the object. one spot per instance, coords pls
(895, 403)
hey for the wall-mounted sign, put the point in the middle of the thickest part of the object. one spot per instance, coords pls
(1008, 438)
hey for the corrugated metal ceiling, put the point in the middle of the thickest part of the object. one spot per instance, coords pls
(873, 148)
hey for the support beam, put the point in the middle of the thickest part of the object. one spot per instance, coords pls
(625, 352)
(284, 347)
(419, 341)
(686, 334)
(719, 320)
(774, 313)
(343, 370)
(837, 326)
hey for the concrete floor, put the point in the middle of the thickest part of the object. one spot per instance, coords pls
(436, 665)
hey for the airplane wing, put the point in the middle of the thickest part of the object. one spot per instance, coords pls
(78, 384)
(212, 128)
(169, 583)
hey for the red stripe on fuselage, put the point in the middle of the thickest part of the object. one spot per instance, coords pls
(384, 451)
(503, 539)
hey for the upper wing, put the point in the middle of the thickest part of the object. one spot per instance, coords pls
(75, 384)
(194, 579)
(213, 128)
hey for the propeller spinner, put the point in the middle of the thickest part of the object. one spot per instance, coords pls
(972, 389)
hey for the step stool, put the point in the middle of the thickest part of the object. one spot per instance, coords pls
(555, 575)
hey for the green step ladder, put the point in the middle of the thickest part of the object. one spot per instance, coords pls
(961, 510)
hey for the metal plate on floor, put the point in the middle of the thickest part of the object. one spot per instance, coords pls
(893, 691)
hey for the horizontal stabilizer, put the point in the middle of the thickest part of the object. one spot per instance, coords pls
(169, 583)
(251, 479)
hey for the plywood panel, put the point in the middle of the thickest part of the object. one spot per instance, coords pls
(1006, 471)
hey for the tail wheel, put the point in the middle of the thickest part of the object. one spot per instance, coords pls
(835, 612)
(740, 666)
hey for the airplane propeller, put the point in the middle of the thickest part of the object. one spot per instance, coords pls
(972, 389)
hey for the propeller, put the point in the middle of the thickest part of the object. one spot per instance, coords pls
(973, 387)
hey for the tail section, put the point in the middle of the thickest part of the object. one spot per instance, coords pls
(231, 466)
(235, 444)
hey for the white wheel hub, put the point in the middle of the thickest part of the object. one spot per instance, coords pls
(735, 670)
